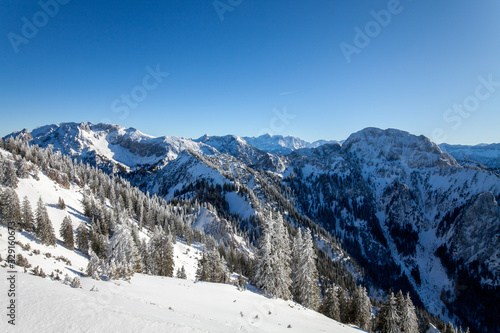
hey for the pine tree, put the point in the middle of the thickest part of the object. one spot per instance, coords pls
(27, 218)
(304, 272)
(82, 238)
(272, 267)
(281, 248)
(98, 243)
(361, 309)
(408, 316)
(10, 209)
(122, 255)
(201, 272)
(22, 168)
(61, 203)
(344, 306)
(264, 270)
(296, 265)
(212, 267)
(389, 317)
(449, 328)
(9, 176)
(218, 267)
(330, 306)
(181, 273)
(44, 228)
(161, 253)
(66, 233)
(144, 254)
(94, 266)
(400, 303)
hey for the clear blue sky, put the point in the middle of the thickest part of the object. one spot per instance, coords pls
(234, 75)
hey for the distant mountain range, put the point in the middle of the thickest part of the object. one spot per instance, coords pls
(485, 154)
(416, 216)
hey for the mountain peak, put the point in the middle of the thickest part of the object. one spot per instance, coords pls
(393, 144)
(24, 135)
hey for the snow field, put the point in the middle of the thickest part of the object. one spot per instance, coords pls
(156, 304)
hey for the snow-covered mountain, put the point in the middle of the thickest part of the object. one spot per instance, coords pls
(399, 203)
(234, 146)
(282, 145)
(111, 147)
(485, 154)
(407, 208)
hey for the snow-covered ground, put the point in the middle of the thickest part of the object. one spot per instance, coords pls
(154, 304)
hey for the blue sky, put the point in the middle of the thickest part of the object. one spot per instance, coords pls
(428, 67)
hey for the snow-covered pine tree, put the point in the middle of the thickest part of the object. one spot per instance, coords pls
(201, 272)
(94, 266)
(181, 273)
(264, 270)
(272, 267)
(296, 265)
(449, 328)
(44, 228)
(87, 204)
(144, 254)
(61, 203)
(344, 305)
(27, 217)
(280, 243)
(408, 316)
(330, 306)
(135, 235)
(10, 208)
(218, 267)
(123, 259)
(82, 238)
(66, 233)
(389, 317)
(361, 308)
(22, 168)
(304, 272)
(212, 267)
(161, 253)
(98, 243)
(400, 303)
(9, 177)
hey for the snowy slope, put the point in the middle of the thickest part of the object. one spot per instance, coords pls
(50, 192)
(156, 304)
